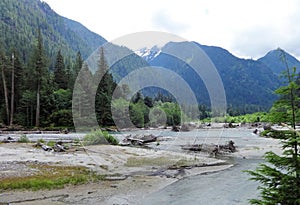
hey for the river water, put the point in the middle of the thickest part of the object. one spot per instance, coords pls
(231, 186)
(228, 187)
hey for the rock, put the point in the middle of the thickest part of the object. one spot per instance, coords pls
(175, 128)
(59, 148)
(255, 131)
(46, 148)
(267, 127)
(9, 140)
(185, 128)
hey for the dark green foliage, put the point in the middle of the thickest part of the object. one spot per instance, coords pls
(39, 74)
(173, 113)
(34, 33)
(75, 70)
(148, 101)
(82, 101)
(61, 118)
(104, 92)
(139, 113)
(21, 18)
(283, 134)
(60, 74)
(280, 177)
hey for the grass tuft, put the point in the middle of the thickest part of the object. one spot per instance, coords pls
(50, 177)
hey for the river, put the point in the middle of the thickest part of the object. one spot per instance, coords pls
(228, 187)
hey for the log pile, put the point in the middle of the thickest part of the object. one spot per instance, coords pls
(214, 149)
(57, 147)
(138, 140)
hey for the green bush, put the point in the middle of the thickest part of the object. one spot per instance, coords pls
(99, 137)
(61, 118)
(277, 134)
(24, 139)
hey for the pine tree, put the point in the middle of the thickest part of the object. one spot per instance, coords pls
(104, 92)
(75, 70)
(39, 74)
(18, 88)
(280, 178)
(78, 63)
(5, 89)
(82, 91)
(12, 98)
(60, 77)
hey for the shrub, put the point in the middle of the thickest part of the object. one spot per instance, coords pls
(24, 139)
(99, 137)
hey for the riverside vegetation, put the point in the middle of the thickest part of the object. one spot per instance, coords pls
(280, 176)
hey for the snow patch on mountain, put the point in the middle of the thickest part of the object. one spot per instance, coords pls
(148, 54)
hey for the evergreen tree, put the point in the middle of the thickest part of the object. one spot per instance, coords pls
(78, 63)
(137, 97)
(81, 101)
(39, 74)
(12, 98)
(18, 88)
(148, 101)
(75, 70)
(60, 76)
(104, 92)
(5, 89)
(280, 178)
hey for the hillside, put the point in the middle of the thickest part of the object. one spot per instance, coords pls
(21, 19)
(248, 84)
(274, 61)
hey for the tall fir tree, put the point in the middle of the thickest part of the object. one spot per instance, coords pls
(81, 101)
(78, 65)
(12, 98)
(280, 178)
(3, 64)
(104, 93)
(60, 75)
(39, 73)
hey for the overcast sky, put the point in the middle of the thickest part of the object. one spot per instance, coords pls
(247, 28)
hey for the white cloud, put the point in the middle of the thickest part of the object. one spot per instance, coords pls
(163, 21)
(246, 28)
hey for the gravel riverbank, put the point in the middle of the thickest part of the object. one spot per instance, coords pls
(148, 176)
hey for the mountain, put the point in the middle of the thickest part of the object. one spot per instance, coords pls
(148, 54)
(273, 59)
(21, 19)
(120, 59)
(248, 84)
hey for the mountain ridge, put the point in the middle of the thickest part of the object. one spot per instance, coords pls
(247, 82)
(20, 20)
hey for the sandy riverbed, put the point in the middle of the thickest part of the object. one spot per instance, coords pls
(145, 171)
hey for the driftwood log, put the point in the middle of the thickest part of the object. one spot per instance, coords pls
(211, 148)
(138, 140)
(58, 147)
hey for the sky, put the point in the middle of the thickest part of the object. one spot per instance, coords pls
(246, 28)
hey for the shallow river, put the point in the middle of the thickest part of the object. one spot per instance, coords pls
(227, 187)
(231, 186)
